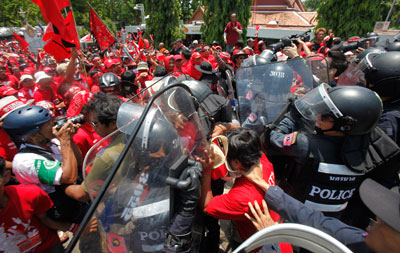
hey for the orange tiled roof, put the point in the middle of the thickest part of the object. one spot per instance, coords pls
(286, 19)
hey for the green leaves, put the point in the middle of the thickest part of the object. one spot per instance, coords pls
(349, 18)
(163, 22)
(217, 15)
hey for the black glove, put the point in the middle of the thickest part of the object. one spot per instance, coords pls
(187, 199)
(179, 238)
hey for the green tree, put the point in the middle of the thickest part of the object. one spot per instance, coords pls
(163, 21)
(349, 18)
(217, 15)
(311, 5)
(188, 8)
(395, 15)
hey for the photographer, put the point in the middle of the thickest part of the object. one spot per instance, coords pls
(102, 112)
(47, 157)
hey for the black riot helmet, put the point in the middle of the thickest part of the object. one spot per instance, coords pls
(394, 46)
(375, 50)
(356, 109)
(280, 76)
(154, 133)
(382, 73)
(109, 82)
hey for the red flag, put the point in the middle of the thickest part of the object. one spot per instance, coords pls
(56, 48)
(49, 33)
(51, 11)
(100, 31)
(71, 29)
(21, 41)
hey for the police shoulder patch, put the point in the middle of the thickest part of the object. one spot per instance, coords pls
(290, 139)
(46, 170)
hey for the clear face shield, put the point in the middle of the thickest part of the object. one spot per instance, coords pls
(352, 75)
(317, 102)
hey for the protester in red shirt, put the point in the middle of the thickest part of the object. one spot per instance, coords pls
(86, 136)
(28, 88)
(46, 90)
(24, 224)
(8, 79)
(190, 67)
(231, 33)
(143, 75)
(244, 154)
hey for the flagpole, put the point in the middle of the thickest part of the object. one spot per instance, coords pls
(79, 41)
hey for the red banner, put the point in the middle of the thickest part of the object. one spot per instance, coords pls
(22, 43)
(100, 31)
(51, 12)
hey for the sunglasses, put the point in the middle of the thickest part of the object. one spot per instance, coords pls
(95, 124)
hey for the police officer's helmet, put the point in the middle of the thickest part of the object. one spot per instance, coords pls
(394, 46)
(109, 82)
(22, 122)
(376, 50)
(361, 109)
(383, 74)
(279, 75)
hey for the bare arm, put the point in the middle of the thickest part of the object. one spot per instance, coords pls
(69, 74)
(56, 225)
(206, 193)
(77, 192)
(70, 164)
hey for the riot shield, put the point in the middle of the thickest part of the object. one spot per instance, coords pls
(264, 90)
(132, 203)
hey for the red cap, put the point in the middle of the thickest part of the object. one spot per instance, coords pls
(196, 55)
(29, 71)
(177, 57)
(7, 91)
(108, 63)
(225, 55)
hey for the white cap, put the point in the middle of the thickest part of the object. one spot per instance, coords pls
(24, 77)
(41, 75)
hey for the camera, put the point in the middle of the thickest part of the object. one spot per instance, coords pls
(60, 121)
(287, 41)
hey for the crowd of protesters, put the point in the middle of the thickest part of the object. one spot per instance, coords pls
(41, 189)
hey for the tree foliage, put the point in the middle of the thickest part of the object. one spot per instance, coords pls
(311, 5)
(349, 18)
(217, 15)
(395, 15)
(163, 21)
(188, 8)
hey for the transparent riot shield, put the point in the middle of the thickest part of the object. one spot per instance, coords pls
(127, 174)
(264, 90)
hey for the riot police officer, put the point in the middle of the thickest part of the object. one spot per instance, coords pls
(332, 158)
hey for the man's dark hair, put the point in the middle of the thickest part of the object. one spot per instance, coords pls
(2, 167)
(106, 107)
(129, 76)
(186, 53)
(339, 61)
(244, 145)
(160, 71)
(239, 43)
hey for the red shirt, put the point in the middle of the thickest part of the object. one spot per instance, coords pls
(11, 81)
(191, 71)
(232, 36)
(25, 94)
(48, 95)
(234, 204)
(143, 80)
(21, 229)
(7, 147)
(85, 138)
